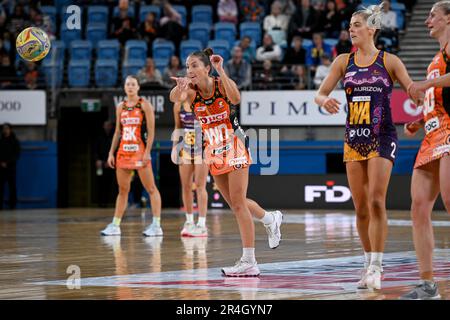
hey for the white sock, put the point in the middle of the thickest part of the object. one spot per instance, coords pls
(367, 256)
(190, 217)
(248, 254)
(201, 222)
(268, 218)
(157, 221)
(376, 259)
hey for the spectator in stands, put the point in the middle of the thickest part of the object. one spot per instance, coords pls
(174, 69)
(304, 21)
(346, 13)
(276, 21)
(287, 7)
(3, 22)
(344, 44)
(264, 80)
(149, 29)
(238, 69)
(322, 71)
(104, 173)
(249, 52)
(9, 154)
(171, 25)
(7, 72)
(31, 76)
(123, 25)
(300, 80)
(149, 74)
(318, 50)
(269, 50)
(295, 54)
(227, 11)
(389, 27)
(251, 10)
(332, 20)
(18, 20)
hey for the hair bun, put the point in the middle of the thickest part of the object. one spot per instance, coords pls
(208, 51)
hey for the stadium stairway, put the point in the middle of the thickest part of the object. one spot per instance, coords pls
(417, 47)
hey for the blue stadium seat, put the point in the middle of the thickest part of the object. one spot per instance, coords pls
(79, 73)
(400, 19)
(163, 50)
(69, 35)
(51, 12)
(278, 37)
(330, 42)
(183, 12)
(187, 47)
(307, 44)
(108, 49)
(220, 47)
(199, 31)
(57, 52)
(61, 3)
(131, 10)
(96, 31)
(136, 49)
(251, 29)
(160, 64)
(53, 72)
(226, 31)
(106, 71)
(202, 13)
(97, 14)
(81, 50)
(144, 10)
(132, 67)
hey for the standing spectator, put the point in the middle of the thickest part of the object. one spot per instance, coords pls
(149, 29)
(174, 69)
(227, 11)
(322, 71)
(7, 72)
(238, 69)
(332, 20)
(269, 50)
(251, 10)
(248, 52)
(344, 44)
(276, 21)
(104, 173)
(303, 22)
(9, 154)
(149, 74)
(171, 25)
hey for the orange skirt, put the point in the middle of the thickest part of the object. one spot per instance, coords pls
(131, 159)
(231, 155)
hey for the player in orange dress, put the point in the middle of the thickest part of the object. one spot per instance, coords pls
(212, 99)
(431, 174)
(132, 116)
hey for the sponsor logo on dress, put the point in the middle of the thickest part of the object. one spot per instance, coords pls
(130, 121)
(360, 132)
(350, 74)
(431, 125)
(238, 161)
(441, 150)
(369, 89)
(213, 118)
(361, 98)
(221, 150)
(131, 147)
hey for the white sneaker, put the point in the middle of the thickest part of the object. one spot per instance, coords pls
(111, 230)
(197, 232)
(188, 226)
(362, 285)
(273, 229)
(153, 231)
(242, 269)
(373, 277)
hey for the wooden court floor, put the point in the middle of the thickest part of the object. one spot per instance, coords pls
(59, 254)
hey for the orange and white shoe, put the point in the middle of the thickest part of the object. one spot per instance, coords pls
(197, 232)
(242, 269)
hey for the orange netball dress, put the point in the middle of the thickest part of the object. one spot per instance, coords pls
(132, 146)
(436, 110)
(225, 143)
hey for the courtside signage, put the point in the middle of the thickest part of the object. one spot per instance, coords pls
(289, 108)
(26, 107)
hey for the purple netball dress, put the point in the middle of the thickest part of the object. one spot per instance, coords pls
(369, 130)
(191, 146)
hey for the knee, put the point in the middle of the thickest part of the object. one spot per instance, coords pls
(238, 206)
(377, 206)
(362, 210)
(420, 217)
(201, 189)
(151, 189)
(186, 187)
(124, 189)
